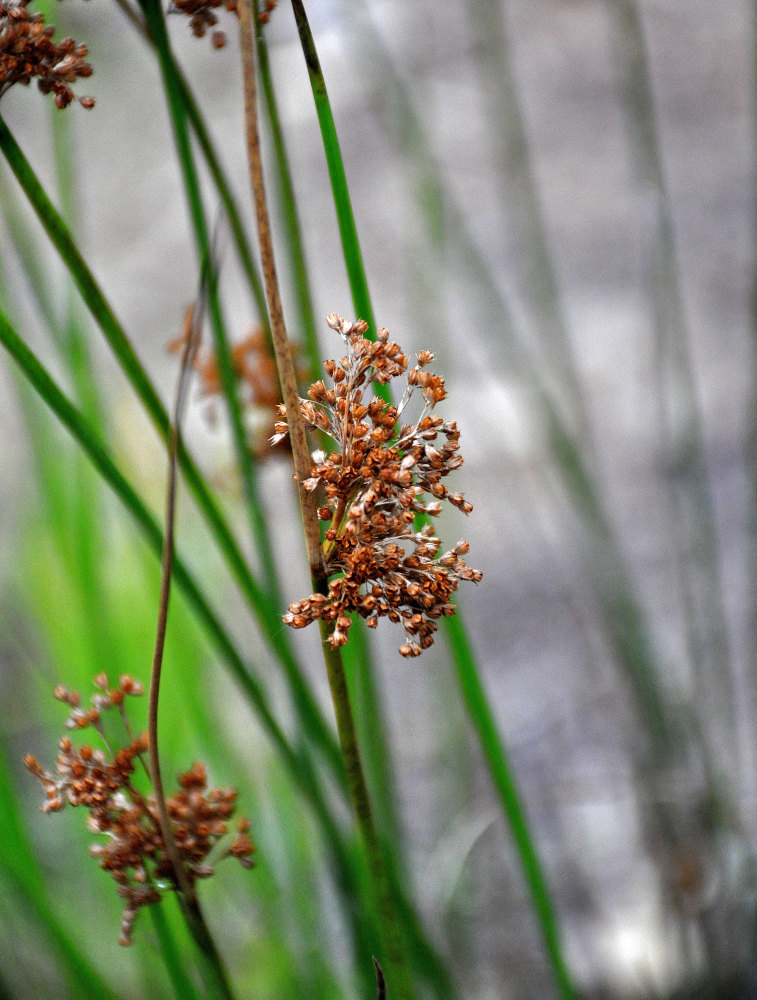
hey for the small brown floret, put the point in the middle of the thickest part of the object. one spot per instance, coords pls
(265, 15)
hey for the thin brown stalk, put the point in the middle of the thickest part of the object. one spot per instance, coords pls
(188, 900)
(281, 345)
(391, 934)
(182, 878)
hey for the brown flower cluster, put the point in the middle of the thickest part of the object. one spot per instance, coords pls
(265, 15)
(382, 475)
(201, 17)
(257, 383)
(27, 50)
(102, 781)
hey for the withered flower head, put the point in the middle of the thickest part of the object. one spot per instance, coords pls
(134, 851)
(27, 51)
(380, 477)
(201, 17)
(257, 383)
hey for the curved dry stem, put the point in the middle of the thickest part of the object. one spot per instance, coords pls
(183, 881)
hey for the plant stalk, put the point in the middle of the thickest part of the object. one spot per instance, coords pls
(392, 939)
(190, 904)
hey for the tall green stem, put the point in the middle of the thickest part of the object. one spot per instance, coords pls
(398, 968)
(367, 702)
(462, 652)
(503, 777)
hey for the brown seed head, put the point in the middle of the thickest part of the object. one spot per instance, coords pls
(201, 17)
(373, 488)
(134, 852)
(27, 51)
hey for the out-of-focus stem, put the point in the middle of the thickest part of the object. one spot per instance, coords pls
(214, 971)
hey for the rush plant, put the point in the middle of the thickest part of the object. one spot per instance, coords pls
(369, 463)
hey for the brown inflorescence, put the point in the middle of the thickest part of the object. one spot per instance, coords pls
(201, 17)
(257, 383)
(27, 51)
(265, 15)
(134, 850)
(381, 476)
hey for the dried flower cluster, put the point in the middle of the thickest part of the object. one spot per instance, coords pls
(265, 15)
(28, 51)
(254, 368)
(134, 852)
(201, 17)
(373, 487)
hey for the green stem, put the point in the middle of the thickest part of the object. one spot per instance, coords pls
(502, 775)
(183, 986)
(216, 981)
(345, 217)
(398, 968)
(377, 752)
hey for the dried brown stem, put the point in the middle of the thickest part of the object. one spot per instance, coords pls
(182, 878)
(389, 926)
(281, 346)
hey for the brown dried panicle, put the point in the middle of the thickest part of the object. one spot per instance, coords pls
(201, 17)
(257, 383)
(373, 486)
(27, 50)
(134, 850)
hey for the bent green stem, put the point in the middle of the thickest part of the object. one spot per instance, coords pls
(501, 772)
